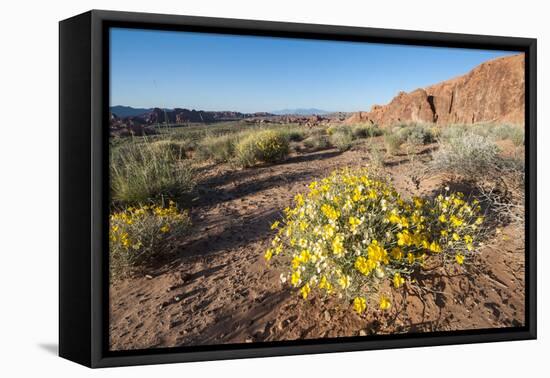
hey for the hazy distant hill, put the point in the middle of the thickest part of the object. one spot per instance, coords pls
(127, 111)
(300, 111)
(174, 116)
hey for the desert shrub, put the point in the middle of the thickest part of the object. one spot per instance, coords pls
(392, 142)
(453, 131)
(140, 235)
(467, 154)
(352, 232)
(514, 133)
(492, 131)
(219, 149)
(141, 172)
(419, 135)
(366, 131)
(376, 159)
(415, 134)
(317, 142)
(331, 129)
(263, 146)
(341, 139)
(293, 134)
(499, 179)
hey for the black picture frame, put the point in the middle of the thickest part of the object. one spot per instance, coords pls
(83, 196)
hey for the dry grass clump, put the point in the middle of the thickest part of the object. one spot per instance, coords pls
(341, 139)
(144, 171)
(219, 149)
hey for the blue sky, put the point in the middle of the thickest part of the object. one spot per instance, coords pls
(251, 74)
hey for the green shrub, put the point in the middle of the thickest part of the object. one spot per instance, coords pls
(138, 236)
(293, 134)
(493, 131)
(366, 131)
(141, 172)
(392, 143)
(514, 133)
(453, 131)
(219, 149)
(266, 146)
(341, 139)
(415, 134)
(317, 142)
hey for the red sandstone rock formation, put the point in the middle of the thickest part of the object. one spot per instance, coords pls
(494, 91)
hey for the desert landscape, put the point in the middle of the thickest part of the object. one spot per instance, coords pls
(209, 245)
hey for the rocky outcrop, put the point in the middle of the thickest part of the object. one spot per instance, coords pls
(494, 91)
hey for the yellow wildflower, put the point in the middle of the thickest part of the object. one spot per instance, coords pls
(338, 245)
(344, 281)
(305, 291)
(398, 280)
(435, 247)
(359, 305)
(397, 253)
(295, 278)
(385, 303)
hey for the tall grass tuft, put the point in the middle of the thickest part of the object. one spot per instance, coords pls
(142, 172)
(219, 149)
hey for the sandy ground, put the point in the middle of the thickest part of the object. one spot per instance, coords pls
(219, 289)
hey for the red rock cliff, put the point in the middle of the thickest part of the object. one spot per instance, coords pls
(494, 91)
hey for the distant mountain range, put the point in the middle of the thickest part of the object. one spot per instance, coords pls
(127, 111)
(122, 115)
(301, 111)
(122, 111)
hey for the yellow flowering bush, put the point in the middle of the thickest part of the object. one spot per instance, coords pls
(352, 235)
(138, 235)
(267, 146)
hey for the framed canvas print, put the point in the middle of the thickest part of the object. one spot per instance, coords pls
(234, 188)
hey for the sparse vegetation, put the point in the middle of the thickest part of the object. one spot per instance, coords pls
(392, 143)
(266, 146)
(143, 171)
(477, 159)
(219, 149)
(467, 155)
(514, 133)
(414, 134)
(341, 139)
(140, 236)
(317, 142)
(366, 131)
